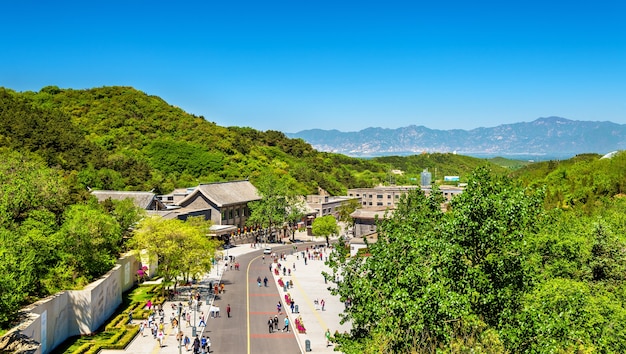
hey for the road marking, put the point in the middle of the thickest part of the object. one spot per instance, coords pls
(248, 300)
(278, 335)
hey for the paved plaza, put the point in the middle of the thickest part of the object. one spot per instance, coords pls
(307, 289)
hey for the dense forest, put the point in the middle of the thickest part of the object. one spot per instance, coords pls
(528, 259)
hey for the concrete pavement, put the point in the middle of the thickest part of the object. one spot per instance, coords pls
(308, 287)
(308, 291)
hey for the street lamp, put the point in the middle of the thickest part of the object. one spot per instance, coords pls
(195, 308)
(180, 329)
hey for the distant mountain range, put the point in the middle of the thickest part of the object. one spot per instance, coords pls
(552, 137)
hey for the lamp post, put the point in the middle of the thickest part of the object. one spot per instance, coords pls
(180, 341)
(195, 308)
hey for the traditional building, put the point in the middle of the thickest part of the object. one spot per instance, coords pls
(225, 204)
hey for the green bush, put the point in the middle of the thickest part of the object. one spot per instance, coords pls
(117, 333)
(83, 348)
(123, 338)
(116, 322)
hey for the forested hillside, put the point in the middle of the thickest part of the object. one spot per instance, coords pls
(121, 138)
(584, 181)
(438, 164)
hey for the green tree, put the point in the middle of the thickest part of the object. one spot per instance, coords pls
(434, 277)
(396, 293)
(569, 316)
(27, 184)
(125, 212)
(296, 210)
(91, 240)
(486, 229)
(182, 248)
(277, 202)
(325, 226)
(345, 210)
(16, 276)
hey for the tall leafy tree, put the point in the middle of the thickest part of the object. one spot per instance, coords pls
(91, 240)
(16, 276)
(296, 210)
(345, 210)
(433, 277)
(180, 247)
(278, 202)
(486, 229)
(325, 226)
(27, 184)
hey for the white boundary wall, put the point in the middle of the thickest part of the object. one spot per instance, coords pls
(54, 319)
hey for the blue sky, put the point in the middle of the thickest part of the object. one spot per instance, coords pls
(346, 65)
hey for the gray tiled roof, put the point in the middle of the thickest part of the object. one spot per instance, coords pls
(140, 199)
(371, 213)
(228, 193)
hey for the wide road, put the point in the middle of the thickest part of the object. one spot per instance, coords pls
(251, 306)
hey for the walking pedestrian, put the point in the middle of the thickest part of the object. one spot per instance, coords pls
(270, 324)
(327, 334)
(265, 281)
(258, 281)
(187, 342)
(196, 345)
(208, 344)
(286, 328)
(279, 307)
(275, 321)
(228, 310)
(203, 344)
(160, 338)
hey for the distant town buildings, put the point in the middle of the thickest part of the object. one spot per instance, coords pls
(388, 196)
(323, 204)
(380, 202)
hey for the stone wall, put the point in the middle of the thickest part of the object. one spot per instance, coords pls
(54, 319)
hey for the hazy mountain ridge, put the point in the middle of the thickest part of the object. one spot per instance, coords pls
(544, 136)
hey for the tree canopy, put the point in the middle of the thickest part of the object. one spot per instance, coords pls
(496, 273)
(325, 226)
(182, 248)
